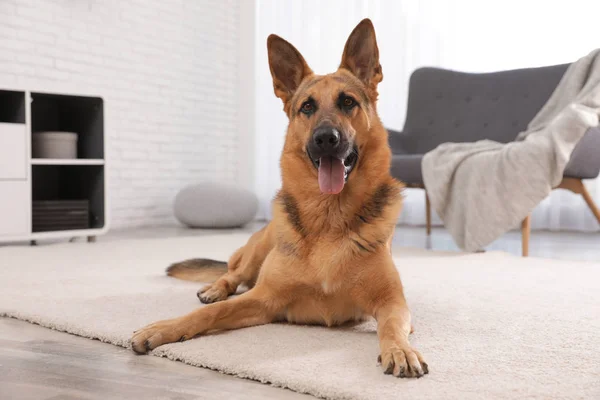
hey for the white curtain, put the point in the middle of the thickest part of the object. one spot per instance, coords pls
(468, 35)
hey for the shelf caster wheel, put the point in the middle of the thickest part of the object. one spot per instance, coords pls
(91, 239)
(33, 242)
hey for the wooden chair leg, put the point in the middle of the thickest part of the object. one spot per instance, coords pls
(590, 202)
(576, 186)
(525, 233)
(428, 213)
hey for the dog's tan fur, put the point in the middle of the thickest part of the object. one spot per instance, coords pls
(323, 259)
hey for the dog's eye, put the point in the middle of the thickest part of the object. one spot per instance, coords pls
(307, 107)
(346, 102)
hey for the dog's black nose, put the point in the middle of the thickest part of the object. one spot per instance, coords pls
(326, 138)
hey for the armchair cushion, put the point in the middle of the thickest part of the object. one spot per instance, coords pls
(585, 159)
(407, 168)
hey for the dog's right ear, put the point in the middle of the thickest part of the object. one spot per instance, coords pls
(288, 68)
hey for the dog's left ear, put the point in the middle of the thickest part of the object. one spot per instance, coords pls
(361, 55)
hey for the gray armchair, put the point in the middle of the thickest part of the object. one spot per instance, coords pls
(451, 106)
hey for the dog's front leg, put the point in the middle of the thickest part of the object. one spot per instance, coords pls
(255, 307)
(379, 293)
(397, 356)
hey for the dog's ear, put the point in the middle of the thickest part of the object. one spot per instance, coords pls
(288, 68)
(361, 55)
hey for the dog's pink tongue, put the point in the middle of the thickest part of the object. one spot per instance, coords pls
(331, 175)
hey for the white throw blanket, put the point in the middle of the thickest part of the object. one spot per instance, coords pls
(481, 190)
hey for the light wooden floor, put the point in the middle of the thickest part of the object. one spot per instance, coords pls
(38, 363)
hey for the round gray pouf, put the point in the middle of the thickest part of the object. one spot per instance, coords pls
(215, 205)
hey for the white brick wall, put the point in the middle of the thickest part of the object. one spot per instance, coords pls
(168, 71)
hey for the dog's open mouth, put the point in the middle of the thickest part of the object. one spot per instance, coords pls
(334, 172)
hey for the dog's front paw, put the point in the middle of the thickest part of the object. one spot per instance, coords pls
(403, 361)
(212, 293)
(156, 334)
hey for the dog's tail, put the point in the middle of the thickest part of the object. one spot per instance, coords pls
(198, 270)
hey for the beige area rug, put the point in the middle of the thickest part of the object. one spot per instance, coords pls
(491, 326)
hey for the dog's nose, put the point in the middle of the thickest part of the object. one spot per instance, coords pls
(326, 138)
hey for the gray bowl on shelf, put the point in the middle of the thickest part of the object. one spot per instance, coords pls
(54, 144)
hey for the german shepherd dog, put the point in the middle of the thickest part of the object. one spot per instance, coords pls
(325, 258)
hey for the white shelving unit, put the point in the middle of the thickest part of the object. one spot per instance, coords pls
(25, 181)
(52, 161)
